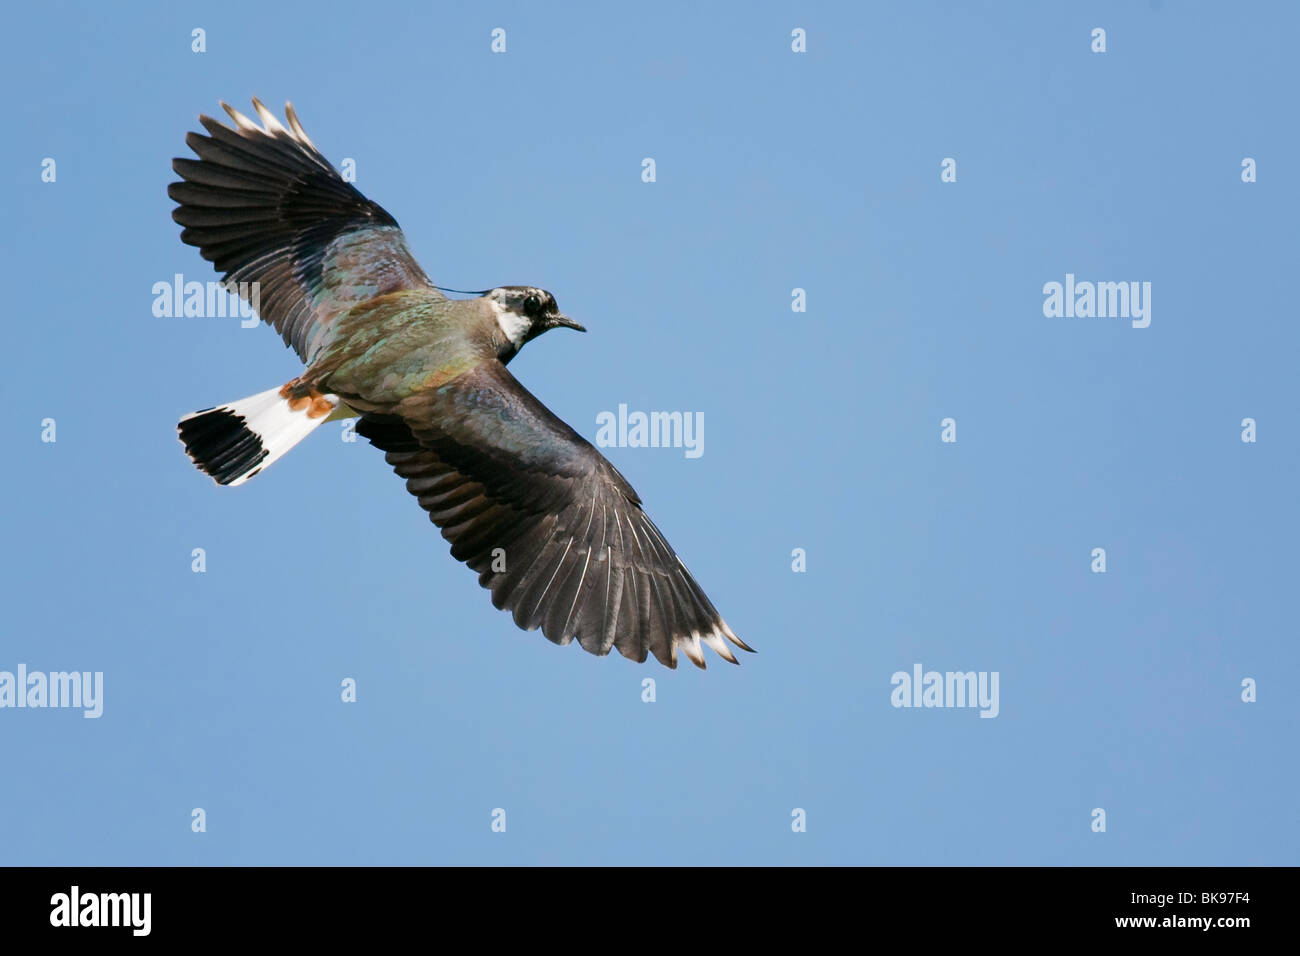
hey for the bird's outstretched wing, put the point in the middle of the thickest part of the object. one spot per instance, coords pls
(264, 206)
(553, 530)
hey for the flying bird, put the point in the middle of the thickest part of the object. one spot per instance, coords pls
(555, 533)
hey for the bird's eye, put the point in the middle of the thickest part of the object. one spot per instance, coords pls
(532, 307)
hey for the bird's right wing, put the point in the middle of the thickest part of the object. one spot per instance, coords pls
(264, 206)
(553, 530)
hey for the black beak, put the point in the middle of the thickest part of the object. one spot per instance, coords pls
(560, 318)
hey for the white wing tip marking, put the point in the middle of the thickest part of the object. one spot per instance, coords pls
(271, 124)
(241, 121)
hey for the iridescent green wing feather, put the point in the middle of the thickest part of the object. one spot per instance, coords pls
(554, 531)
(265, 207)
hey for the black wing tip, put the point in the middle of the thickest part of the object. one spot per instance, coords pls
(641, 652)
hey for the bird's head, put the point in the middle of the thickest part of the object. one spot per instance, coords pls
(525, 312)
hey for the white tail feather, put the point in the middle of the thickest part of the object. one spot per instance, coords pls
(234, 442)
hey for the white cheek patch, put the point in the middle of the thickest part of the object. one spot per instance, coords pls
(513, 325)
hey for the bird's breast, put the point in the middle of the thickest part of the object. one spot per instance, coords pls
(383, 355)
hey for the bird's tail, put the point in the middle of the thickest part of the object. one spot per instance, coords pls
(234, 442)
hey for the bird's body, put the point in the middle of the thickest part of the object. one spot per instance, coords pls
(399, 345)
(551, 527)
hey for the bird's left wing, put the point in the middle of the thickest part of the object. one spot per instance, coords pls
(553, 530)
(266, 208)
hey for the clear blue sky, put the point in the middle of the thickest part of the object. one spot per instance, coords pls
(924, 301)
